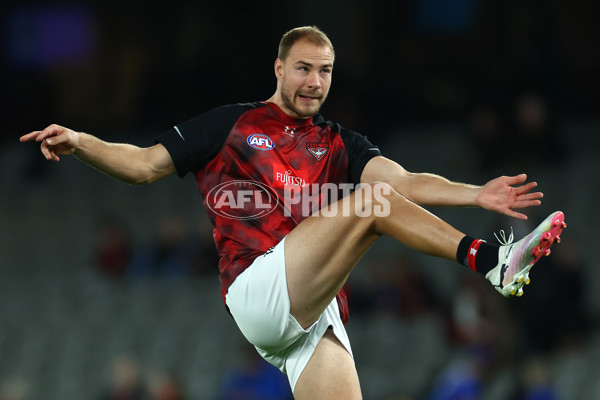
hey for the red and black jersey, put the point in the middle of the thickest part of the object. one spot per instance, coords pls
(245, 157)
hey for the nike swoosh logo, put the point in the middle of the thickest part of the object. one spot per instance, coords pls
(179, 133)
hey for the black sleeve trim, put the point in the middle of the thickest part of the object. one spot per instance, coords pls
(194, 143)
(360, 152)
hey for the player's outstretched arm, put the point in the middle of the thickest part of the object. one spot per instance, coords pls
(501, 194)
(126, 162)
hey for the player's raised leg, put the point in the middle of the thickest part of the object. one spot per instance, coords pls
(322, 250)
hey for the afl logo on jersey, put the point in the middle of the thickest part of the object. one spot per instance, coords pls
(260, 142)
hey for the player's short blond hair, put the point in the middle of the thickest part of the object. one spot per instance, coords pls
(310, 33)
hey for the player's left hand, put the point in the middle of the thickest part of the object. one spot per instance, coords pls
(504, 196)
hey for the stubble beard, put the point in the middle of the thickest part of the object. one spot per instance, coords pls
(287, 101)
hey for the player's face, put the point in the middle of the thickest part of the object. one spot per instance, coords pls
(304, 78)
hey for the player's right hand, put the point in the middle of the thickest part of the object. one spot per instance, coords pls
(55, 141)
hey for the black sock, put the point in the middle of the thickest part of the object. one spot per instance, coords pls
(477, 254)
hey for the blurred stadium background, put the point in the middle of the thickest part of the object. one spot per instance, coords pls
(109, 290)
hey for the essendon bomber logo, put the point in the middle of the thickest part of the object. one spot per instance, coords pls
(260, 142)
(317, 149)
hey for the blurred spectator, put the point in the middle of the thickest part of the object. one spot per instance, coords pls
(569, 261)
(461, 380)
(256, 379)
(166, 387)
(524, 140)
(205, 260)
(177, 250)
(481, 325)
(535, 134)
(478, 314)
(169, 255)
(551, 314)
(113, 248)
(392, 285)
(126, 383)
(536, 383)
(484, 135)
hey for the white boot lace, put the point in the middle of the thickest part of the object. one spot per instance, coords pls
(502, 239)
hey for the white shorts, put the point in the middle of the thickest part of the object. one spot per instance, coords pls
(259, 302)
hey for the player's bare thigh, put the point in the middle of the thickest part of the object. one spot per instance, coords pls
(330, 373)
(322, 250)
(319, 254)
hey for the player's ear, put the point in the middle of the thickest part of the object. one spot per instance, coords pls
(278, 68)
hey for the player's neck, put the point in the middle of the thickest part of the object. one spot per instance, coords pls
(278, 101)
(286, 118)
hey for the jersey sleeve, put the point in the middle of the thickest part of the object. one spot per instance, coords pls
(360, 151)
(194, 143)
